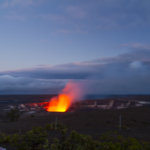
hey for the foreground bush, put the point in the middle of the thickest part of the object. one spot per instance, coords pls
(51, 137)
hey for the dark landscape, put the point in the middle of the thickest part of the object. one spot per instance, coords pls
(104, 119)
(84, 116)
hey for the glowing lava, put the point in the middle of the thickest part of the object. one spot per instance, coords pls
(63, 101)
(59, 104)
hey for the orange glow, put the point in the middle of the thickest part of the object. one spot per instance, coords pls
(59, 104)
(63, 101)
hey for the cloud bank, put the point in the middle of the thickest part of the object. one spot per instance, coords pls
(128, 73)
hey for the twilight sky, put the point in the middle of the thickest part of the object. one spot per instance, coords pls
(101, 43)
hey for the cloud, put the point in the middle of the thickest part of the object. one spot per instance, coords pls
(136, 46)
(23, 85)
(128, 73)
(124, 74)
(20, 3)
(136, 64)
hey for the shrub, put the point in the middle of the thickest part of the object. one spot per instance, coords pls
(48, 138)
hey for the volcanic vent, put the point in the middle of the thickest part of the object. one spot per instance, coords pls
(61, 103)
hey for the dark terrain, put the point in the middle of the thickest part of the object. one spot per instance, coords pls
(94, 122)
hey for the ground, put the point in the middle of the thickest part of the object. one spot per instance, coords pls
(135, 122)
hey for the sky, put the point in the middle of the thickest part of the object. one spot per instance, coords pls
(100, 43)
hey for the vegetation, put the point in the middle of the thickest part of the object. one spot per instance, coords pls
(51, 137)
